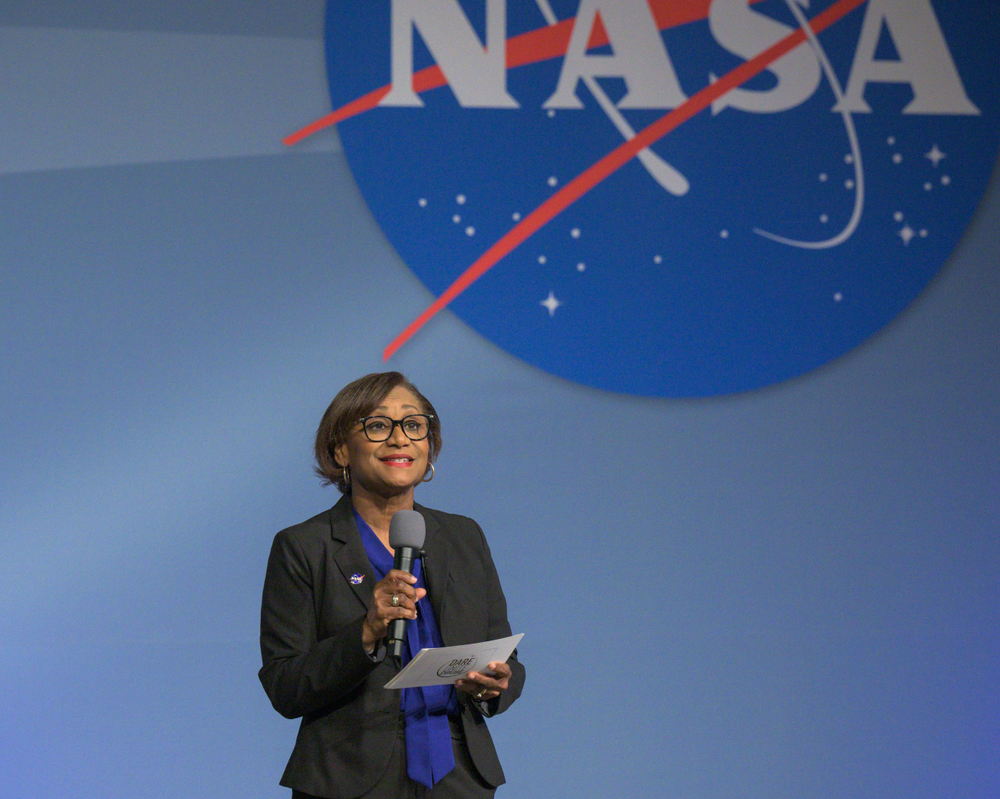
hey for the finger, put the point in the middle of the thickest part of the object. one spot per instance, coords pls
(386, 588)
(482, 678)
(392, 600)
(475, 689)
(484, 693)
(404, 608)
(487, 682)
(404, 593)
(499, 668)
(399, 576)
(395, 586)
(390, 613)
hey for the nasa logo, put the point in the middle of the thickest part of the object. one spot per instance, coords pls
(668, 198)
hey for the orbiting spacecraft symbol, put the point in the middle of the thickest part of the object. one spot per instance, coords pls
(672, 181)
(662, 172)
(852, 137)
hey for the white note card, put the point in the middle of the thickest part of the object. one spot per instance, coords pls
(444, 665)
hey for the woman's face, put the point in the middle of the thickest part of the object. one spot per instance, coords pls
(386, 468)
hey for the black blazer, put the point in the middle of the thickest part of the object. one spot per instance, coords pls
(316, 595)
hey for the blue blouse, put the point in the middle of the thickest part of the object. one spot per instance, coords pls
(429, 755)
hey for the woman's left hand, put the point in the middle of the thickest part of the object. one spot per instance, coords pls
(484, 686)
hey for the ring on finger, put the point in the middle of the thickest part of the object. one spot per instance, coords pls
(395, 600)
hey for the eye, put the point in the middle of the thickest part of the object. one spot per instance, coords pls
(376, 425)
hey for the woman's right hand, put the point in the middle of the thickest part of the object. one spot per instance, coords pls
(394, 597)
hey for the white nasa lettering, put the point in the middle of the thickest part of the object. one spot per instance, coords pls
(640, 57)
(477, 77)
(925, 62)
(746, 33)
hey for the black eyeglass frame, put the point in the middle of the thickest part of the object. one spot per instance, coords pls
(393, 422)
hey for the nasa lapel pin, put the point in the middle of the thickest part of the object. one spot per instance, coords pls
(356, 578)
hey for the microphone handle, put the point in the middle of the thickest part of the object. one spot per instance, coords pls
(404, 560)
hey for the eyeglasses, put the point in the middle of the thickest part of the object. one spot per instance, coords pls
(415, 427)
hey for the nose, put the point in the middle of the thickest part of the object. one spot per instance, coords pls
(397, 436)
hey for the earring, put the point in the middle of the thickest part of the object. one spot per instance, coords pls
(426, 478)
(347, 476)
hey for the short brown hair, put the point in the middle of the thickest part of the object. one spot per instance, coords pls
(354, 401)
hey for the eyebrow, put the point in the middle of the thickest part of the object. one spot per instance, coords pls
(404, 407)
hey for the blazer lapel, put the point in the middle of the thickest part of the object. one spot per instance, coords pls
(435, 568)
(350, 555)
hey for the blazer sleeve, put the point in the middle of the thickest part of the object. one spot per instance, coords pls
(302, 673)
(499, 627)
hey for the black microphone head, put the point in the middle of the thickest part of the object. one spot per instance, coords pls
(407, 529)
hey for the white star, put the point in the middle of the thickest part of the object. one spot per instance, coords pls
(906, 234)
(551, 303)
(935, 155)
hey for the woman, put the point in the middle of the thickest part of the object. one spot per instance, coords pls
(331, 592)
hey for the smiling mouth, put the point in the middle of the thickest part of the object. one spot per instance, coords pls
(397, 461)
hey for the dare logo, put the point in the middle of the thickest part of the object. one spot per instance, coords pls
(673, 197)
(457, 667)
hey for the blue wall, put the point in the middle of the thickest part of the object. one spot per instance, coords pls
(788, 593)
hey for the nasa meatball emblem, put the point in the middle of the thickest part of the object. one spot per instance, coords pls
(672, 198)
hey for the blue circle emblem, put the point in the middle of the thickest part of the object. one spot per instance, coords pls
(669, 198)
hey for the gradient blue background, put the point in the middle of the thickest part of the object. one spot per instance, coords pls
(787, 593)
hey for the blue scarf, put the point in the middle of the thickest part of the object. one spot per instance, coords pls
(429, 755)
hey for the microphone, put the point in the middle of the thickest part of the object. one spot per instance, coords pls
(406, 536)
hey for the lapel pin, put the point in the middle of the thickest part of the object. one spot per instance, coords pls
(356, 579)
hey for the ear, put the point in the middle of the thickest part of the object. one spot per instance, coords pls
(340, 455)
